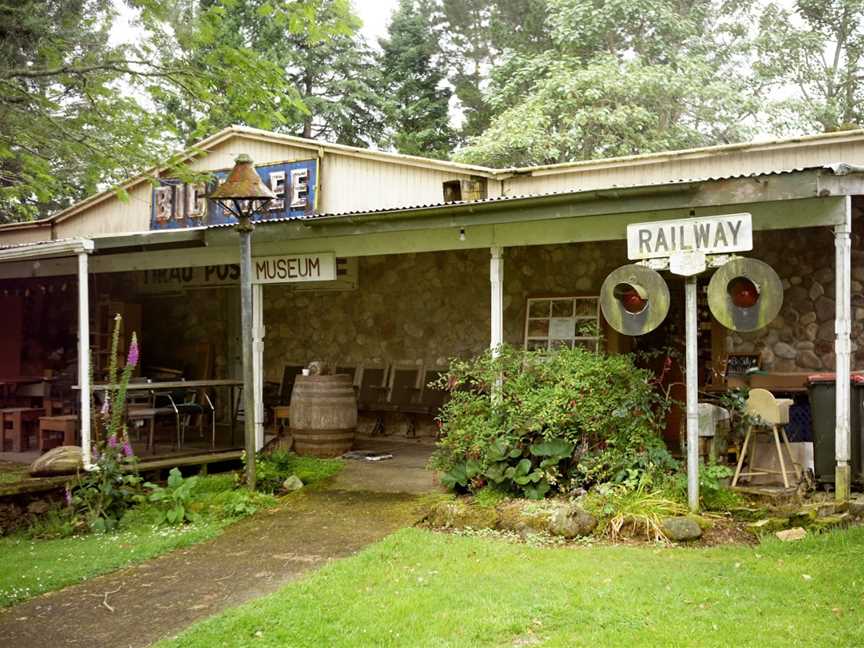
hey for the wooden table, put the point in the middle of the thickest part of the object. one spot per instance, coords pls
(775, 382)
(15, 381)
(170, 385)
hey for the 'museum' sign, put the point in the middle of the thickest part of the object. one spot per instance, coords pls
(708, 235)
(289, 268)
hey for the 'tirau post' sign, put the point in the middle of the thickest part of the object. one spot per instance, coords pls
(708, 235)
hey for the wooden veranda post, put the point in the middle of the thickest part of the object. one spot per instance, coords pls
(496, 282)
(842, 351)
(84, 350)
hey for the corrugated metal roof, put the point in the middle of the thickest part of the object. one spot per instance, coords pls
(34, 244)
(838, 168)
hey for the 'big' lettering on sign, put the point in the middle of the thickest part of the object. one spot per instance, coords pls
(710, 235)
(290, 268)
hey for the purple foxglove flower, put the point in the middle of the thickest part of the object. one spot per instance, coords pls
(68, 496)
(132, 359)
(105, 407)
(112, 441)
(127, 449)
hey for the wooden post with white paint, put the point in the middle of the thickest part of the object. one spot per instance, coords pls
(496, 282)
(692, 358)
(843, 351)
(258, 332)
(84, 350)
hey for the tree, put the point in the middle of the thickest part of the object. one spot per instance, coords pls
(77, 112)
(414, 82)
(623, 77)
(475, 34)
(327, 68)
(813, 55)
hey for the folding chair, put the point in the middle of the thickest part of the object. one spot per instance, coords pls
(372, 393)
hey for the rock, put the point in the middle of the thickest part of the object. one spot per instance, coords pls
(811, 330)
(61, 460)
(784, 350)
(808, 318)
(856, 508)
(832, 522)
(791, 535)
(457, 514)
(519, 515)
(803, 518)
(745, 513)
(292, 483)
(681, 529)
(768, 525)
(808, 360)
(816, 291)
(825, 309)
(38, 507)
(826, 509)
(571, 522)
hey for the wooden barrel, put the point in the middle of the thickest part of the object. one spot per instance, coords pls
(323, 415)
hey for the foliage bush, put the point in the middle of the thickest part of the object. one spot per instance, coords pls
(554, 423)
(173, 500)
(273, 468)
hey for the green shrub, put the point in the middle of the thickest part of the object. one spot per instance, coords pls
(173, 500)
(556, 422)
(714, 495)
(639, 510)
(272, 469)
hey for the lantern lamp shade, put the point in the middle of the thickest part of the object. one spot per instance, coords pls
(243, 183)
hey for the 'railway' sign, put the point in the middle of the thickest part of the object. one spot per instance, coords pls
(708, 235)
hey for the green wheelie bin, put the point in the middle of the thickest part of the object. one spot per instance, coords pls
(821, 389)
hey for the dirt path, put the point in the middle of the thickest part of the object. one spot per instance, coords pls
(160, 597)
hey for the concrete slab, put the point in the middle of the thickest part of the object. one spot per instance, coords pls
(405, 473)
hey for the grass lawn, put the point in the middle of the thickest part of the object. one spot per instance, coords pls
(419, 588)
(31, 567)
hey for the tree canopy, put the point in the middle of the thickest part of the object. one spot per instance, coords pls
(497, 82)
(413, 82)
(620, 78)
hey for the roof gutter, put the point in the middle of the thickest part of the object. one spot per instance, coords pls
(53, 249)
(493, 204)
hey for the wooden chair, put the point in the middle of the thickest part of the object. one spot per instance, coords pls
(404, 392)
(281, 412)
(431, 400)
(64, 425)
(772, 415)
(19, 422)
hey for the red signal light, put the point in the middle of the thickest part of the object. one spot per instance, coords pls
(630, 297)
(743, 292)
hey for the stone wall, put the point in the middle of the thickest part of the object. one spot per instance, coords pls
(424, 308)
(801, 338)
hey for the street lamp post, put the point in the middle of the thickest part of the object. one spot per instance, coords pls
(242, 194)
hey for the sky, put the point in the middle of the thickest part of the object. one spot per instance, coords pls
(375, 15)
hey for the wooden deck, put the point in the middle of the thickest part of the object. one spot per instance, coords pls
(32, 485)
